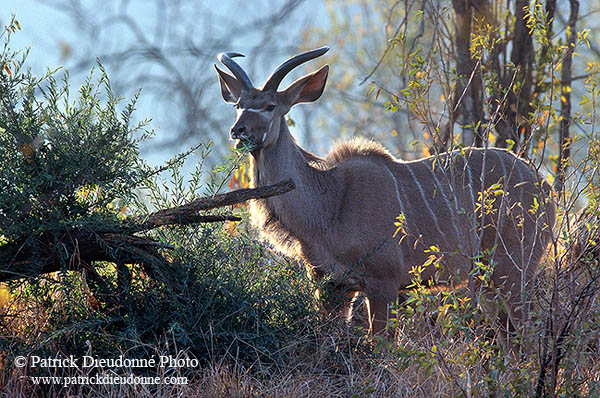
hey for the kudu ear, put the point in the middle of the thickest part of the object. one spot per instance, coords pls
(230, 87)
(308, 88)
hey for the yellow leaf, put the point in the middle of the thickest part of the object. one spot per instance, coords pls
(510, 143)
(4, 296)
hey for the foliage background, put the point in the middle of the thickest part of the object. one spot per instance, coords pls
(257, 328)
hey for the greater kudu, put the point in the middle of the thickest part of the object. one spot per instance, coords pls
(340, 218)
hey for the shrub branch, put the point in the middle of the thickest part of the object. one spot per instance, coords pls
(76, 248)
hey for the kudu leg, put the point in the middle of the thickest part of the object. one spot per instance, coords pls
(349, 304)
(337, 300)
(515, 280)
(378, 312)
(508, 300)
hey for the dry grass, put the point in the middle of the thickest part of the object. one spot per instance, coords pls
(441, 348)
(345, 364)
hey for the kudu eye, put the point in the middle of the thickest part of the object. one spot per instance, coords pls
(270, 108)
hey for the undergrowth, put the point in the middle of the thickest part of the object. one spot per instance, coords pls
(249, 317)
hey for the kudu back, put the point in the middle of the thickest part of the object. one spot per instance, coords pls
(474, 205)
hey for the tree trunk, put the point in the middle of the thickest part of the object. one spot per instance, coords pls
(518, 84)
(467, 94)
(564, 149)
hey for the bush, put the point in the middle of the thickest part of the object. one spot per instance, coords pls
(66, 165)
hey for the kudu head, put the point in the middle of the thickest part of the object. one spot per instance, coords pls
(260, 111)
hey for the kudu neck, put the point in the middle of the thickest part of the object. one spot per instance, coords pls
(305, 209)
(281, 160)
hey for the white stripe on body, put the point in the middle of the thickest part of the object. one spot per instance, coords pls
(472, 222)
(452, 193)
(397, 188)
(521, 188)
(398, 197)
(435, 219)
(441, 189)
(501, 159)
(504, 199)
(470, 182)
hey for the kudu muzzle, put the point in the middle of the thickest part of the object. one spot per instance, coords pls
(250, 129)
(238, 131)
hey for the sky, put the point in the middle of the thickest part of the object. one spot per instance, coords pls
(46, 28)
(51, 35)
(43, 29)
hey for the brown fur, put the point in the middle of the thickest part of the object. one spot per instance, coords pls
(357, 147)
(352, 238)
(340, 218)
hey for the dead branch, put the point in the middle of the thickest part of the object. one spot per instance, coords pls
(76, 248)
(187, 214)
